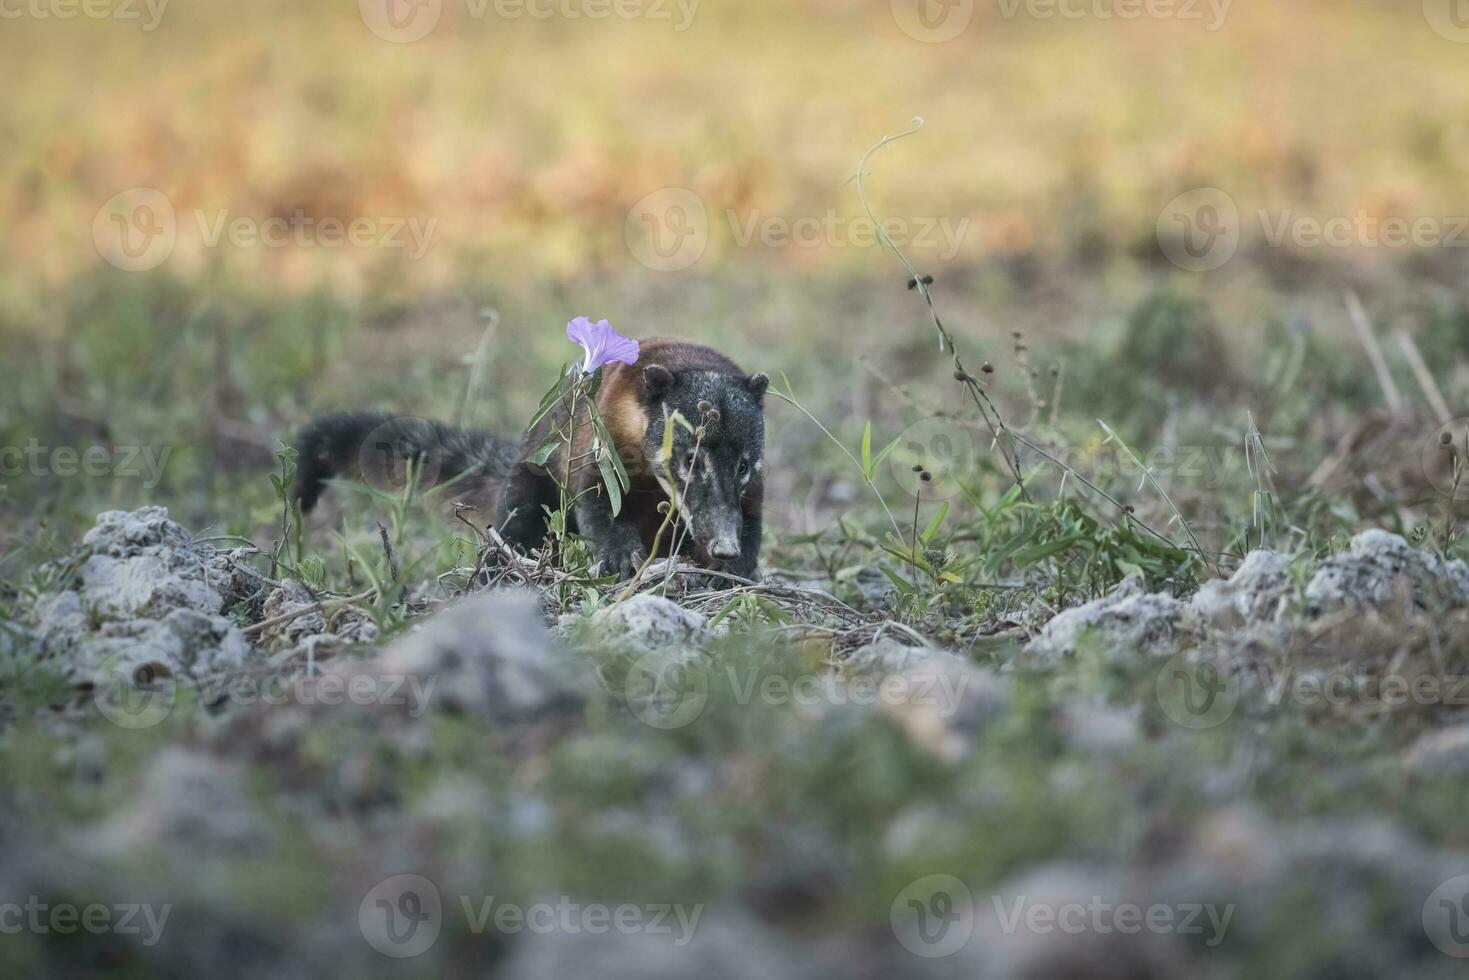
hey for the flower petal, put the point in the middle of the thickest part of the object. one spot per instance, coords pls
(601, 342)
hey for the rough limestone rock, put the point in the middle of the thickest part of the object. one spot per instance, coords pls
(941, 700)
(1127, 619)
(723, 944)
(1103, 947)
(290, 597)
(189, 800)
(1256, 592)
(489, 655)
(146, 601)
(183, 644)
(1380, 570)
(1099, 729)
(143, 564)
(646, 623)
(1440, 753)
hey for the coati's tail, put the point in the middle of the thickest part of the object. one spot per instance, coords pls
(377, 448)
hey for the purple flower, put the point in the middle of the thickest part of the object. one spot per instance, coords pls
(601, 342)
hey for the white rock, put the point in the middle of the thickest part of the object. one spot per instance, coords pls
(1440, 753)
(489, 654)
(290, 597)
(648, 622)
(1381, 569)
(1099, 729)
(1256, 591)
(184, 644)
(146, 601)
(941, 700)
(1127, 619)
(188, 800)
(724, 943)
(1081, 934)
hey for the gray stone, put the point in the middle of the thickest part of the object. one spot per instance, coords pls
(723, 944)
(1099, 729)
(1127, 620)
(1380, 570)
(1444, 752)
(189, 800)
(184, 644)
(489, 655)
(646, 622)
(943, 701)
(146, 601)
(291, 597)
(1256, 591)
(1078, 931)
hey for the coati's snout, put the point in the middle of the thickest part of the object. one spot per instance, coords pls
(711, 467)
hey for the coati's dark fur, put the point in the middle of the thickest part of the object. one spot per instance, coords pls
(722, 486)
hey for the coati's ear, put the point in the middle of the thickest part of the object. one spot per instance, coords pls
(657, 379)
(757, 384)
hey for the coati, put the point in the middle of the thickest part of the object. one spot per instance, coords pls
(721, 485)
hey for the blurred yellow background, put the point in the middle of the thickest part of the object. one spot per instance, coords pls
(526, 140)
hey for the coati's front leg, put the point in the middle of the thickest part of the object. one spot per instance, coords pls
(616, 543)
(529, 492)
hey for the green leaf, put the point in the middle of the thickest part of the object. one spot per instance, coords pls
(867, 450)
(611, 449)
(936, 523)
(550, 399)
(1030, 556)
(899, 582)
(609, 480)
(543, 453)
(877, 460)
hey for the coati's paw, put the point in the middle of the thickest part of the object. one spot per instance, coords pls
(621, 553)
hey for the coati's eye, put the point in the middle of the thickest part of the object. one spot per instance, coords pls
(744, 469)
